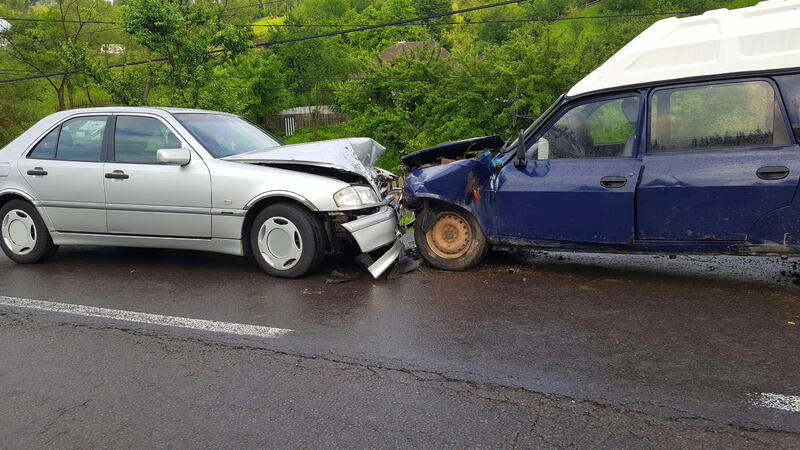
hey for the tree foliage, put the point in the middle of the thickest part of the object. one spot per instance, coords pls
(464, 80)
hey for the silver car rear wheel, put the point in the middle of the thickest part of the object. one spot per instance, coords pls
(280, 243)
(23, 235)
(19, 232)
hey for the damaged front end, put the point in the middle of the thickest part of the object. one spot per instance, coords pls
(454, 173)
(368, 213)
(377, 236)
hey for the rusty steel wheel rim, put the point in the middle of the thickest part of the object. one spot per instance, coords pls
(451, 236)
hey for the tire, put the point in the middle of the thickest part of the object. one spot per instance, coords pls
(453, 239)
(288, 241)
(23, 235)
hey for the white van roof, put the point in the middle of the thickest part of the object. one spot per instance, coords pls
(762, 37)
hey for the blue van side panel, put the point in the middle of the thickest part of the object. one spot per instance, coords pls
(779, 227)
(711, 194)
(457, 183)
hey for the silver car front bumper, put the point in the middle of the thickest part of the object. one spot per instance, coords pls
(375, 231)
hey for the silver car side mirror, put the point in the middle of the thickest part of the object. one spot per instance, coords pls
(174, 156)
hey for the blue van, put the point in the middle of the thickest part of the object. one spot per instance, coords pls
(685, 141)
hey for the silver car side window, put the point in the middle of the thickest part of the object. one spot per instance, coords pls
(81, 139)
(46, 148)
(137, 139)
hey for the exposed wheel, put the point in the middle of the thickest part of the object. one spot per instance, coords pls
(287, 240)
(453, 240)
(23, 234)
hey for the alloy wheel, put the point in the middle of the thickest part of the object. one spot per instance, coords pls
(280, 243)
(19, 232)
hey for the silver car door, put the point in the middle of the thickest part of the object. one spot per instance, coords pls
(65, 171)
(145, 198)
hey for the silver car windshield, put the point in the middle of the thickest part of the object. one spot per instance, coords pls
(223, 135)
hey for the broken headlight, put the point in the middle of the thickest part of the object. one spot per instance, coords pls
(354, 196)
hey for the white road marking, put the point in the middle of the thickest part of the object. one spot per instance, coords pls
(789, 403)
(146, 318)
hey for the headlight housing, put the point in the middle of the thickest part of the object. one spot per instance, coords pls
(354, 196)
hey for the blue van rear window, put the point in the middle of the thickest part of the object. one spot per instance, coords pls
(790, 88)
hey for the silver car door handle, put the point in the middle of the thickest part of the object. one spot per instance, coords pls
(37, 172)
(117, 175)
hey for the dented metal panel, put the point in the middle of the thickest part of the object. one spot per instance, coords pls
(464, 183)
(695, 195)
(355, 155)
(374, 231)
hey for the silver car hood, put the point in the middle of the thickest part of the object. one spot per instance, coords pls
(356, 155)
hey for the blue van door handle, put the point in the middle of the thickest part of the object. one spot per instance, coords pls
(614, 182)
(773, 173)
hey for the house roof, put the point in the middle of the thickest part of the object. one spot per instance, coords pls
(761, 37)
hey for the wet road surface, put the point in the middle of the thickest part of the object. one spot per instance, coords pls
(602, 350)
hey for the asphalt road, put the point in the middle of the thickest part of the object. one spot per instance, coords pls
(531, 349)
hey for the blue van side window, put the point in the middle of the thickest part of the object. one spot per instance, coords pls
(716, 116)
(600, 129)
(790, 88)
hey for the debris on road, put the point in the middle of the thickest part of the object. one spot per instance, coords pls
(337, 277)
(404, 265)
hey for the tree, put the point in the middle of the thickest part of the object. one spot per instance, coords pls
(43, 46)
(194, 40)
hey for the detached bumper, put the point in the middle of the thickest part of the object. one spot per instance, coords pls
(376, 231)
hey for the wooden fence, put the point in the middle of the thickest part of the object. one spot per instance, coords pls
(278, 121)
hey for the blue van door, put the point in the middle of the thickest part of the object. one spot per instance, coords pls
(590, 200)
(720, 157)
(580, 180)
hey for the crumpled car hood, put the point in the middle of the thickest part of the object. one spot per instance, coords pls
(456, 149)
(356, 155)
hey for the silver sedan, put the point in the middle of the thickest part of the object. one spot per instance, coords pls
(189, 179)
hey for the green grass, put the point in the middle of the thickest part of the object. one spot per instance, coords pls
(262, 32)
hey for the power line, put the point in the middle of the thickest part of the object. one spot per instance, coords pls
(408, 22)
(284, 41)
(418, 78)
(397, 91)
(360, 27)
(388, 24)
(315, 36)
(477, 22)
(82, 22)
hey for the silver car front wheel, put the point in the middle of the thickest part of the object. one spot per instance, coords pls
(287, 240)
(280, 243)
